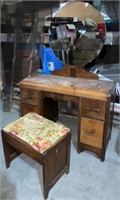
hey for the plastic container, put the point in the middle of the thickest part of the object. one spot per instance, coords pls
(101, 28)
(49, 60)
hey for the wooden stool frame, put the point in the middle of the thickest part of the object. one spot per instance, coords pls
(55, 161)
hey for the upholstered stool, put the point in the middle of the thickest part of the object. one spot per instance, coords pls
(43, 140)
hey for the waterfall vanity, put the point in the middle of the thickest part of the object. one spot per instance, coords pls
(40, 93)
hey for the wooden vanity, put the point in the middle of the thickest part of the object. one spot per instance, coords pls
(40, 93)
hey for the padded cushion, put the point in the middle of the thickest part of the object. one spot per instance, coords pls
(37, 131)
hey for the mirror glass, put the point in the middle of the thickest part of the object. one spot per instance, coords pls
(77, 33)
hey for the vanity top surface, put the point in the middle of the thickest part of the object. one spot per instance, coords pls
(94, 89)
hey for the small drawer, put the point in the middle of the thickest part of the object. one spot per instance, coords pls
(93, 108)
(91, 132)
(26, 108)
(29, 96)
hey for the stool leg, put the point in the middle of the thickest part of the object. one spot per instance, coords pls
(6, 148)
(45, 183)
(45, 195)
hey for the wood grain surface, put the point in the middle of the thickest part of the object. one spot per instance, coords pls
(94, 89)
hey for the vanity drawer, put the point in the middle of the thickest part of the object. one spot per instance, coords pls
(91, 132)
(93, 108)
(30, 96)
(26, 108)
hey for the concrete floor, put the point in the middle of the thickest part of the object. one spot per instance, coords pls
(89, 178)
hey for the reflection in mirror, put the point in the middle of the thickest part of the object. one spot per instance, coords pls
(77, 33)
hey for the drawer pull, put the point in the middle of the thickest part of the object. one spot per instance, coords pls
(93, 109)
(29, 98)
(94, 134)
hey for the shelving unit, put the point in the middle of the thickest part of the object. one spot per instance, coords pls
(20, 31)
(23, 59)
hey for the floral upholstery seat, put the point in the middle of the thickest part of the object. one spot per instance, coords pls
(37, 131)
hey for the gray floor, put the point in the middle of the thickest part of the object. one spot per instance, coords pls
(89, 178)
